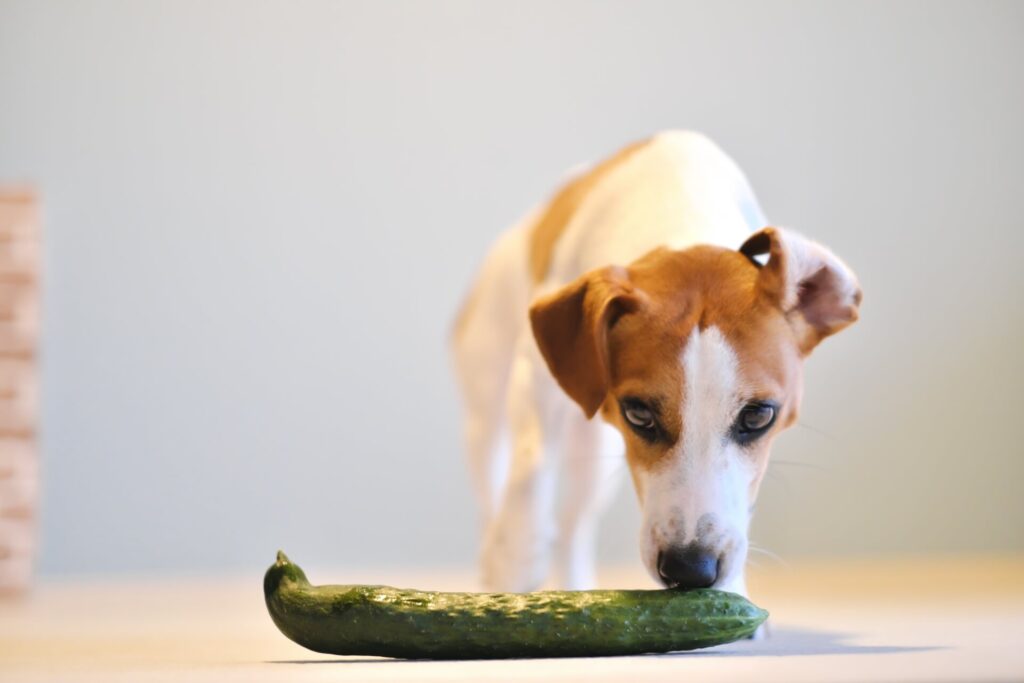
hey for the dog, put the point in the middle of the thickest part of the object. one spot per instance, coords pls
(651, 291)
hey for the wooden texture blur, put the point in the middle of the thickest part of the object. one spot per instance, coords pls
(19, 306)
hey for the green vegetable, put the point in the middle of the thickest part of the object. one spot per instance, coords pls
(411, 624)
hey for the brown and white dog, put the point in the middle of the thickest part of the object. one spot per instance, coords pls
(647, 290)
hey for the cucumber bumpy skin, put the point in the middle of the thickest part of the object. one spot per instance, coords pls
(411, 624)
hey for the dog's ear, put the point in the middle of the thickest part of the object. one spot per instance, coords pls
(571, 328)
(818, 293)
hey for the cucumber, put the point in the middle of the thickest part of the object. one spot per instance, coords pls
(412, 624)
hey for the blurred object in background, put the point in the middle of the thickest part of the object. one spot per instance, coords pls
(19, 467)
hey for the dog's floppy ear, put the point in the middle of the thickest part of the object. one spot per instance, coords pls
(571, 328)
(818, 293)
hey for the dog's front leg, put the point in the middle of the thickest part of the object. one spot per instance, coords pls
(594, 466)
(517, 543)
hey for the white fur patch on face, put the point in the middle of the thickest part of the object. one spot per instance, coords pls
(699, 494)
(710, 394)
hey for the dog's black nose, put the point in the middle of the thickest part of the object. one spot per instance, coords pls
(688, 567)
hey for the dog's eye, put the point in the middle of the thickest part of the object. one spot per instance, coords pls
(753, 421)
(756, 417)
(638, 415)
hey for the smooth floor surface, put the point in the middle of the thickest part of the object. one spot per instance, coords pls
(934, 619)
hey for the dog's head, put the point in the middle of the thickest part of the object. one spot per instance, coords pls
(696, 356)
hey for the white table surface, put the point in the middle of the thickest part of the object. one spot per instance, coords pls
(931, 619)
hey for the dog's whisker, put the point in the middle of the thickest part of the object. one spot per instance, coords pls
(815, 430)
(777, 475)
(768, 553)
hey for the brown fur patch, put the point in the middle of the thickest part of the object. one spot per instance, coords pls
(560, 210)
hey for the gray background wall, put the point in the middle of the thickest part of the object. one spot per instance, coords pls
(261, 218)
